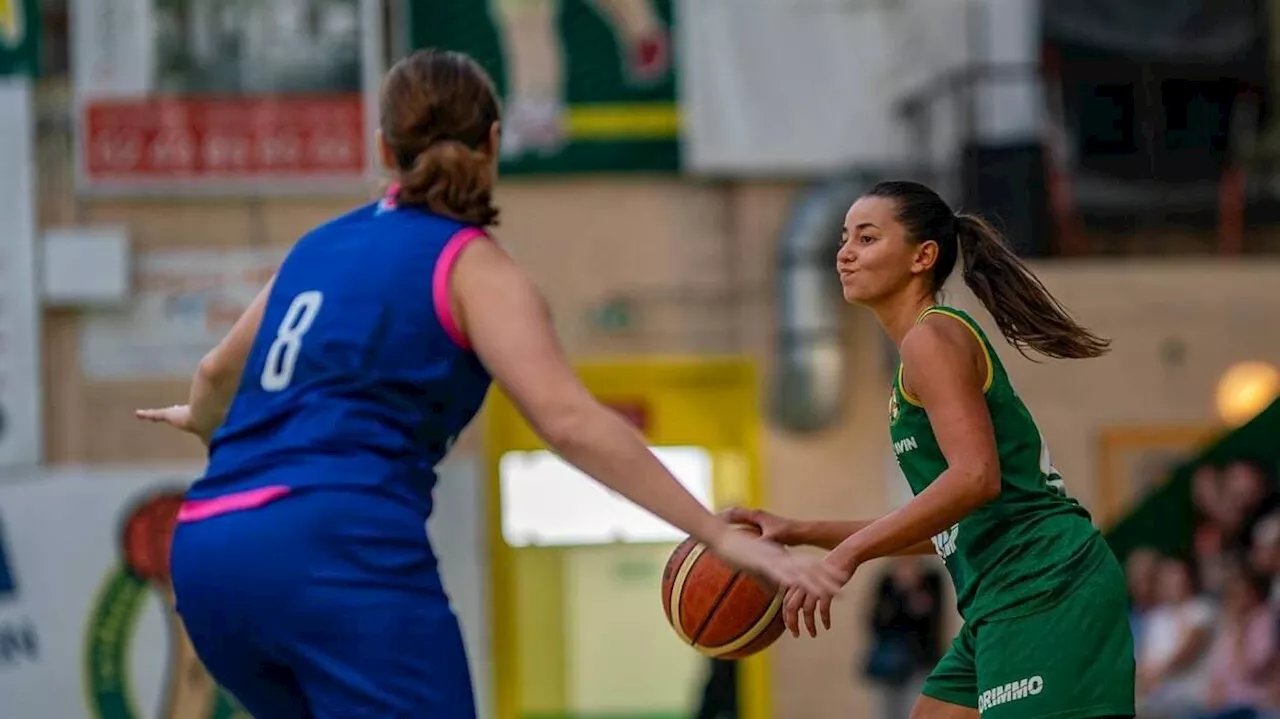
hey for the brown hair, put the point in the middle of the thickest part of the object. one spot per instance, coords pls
(1026, 313)
(438, 109)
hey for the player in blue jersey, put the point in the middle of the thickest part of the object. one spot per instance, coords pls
(301, 566)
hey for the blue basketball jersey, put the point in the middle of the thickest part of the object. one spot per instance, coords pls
(358, 375)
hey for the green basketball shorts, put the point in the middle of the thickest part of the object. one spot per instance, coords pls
(1071, 661)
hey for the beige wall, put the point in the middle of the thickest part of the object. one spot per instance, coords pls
(673, 244)
(1175, 326)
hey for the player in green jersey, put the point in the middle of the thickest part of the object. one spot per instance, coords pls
(1046, 631)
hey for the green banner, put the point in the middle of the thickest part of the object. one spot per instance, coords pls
(1165, 520)
(587, 85)
(19, 37)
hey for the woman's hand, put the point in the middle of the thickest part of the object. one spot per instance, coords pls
(766, 559)
(772, 527)
(801, 603)
(178, 416)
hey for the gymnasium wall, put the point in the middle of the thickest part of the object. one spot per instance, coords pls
(674, 248)
(610, 586)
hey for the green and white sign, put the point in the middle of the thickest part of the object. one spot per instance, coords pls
(587, 85)
(19, 37)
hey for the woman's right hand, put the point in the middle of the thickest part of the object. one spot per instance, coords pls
(772, 527)
(769, 560)
(177, 416)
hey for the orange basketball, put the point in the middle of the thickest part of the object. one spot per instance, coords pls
(147, 535)
(716, 609)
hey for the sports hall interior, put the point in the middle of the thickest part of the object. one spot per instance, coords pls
(675, 178)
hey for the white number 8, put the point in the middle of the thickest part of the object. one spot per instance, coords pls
(277, 373)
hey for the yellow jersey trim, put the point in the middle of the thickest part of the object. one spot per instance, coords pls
(986, 353)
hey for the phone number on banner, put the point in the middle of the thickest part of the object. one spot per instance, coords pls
(233, 138)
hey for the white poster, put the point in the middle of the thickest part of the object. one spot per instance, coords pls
(184, 302)
(87, 624)
(20, 394)
(88, 635)
(807, 86)
(201, 96)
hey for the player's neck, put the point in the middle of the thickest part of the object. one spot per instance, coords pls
(899, 317)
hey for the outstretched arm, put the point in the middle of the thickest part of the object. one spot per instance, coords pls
(216, 378)
(829, 534)
(945, 366)
(506, 320)
(825, 534)
(219, 373)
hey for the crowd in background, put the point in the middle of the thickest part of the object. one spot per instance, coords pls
(1207, 627)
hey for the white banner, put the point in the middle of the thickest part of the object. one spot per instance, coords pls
(806, 86)
(87, 625)
(189, 96)
(20, 395)
(184, 302)
(86, 637)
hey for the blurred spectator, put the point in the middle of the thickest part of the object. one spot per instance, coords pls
(1251, 494)
(720, 693)
(1189, 665)
(1172, 670)
(1230, 502)
(1140, 572)
(1244, 663)
(1212, 526)
(1265, 553)
(906, 635)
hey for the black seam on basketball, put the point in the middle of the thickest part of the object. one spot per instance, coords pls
(728, 586)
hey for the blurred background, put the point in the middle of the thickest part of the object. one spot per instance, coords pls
(674, 177)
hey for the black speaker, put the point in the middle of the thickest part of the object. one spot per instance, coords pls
(1007, 184)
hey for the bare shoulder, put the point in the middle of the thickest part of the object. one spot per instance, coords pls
(940, 337)
(484, 252)
(485, 269)
(943, 348)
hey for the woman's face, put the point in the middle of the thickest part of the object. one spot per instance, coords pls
(877, 258)
(1140, 569)
(1238, 595)
(1173, 582)
(1243, 485)
(1204, 489)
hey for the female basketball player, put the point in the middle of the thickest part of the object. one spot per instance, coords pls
(1046, 629)
(301, 566)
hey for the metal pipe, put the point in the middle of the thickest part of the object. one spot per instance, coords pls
(808, 387)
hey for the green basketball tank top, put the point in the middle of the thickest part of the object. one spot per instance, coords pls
(1022, 552)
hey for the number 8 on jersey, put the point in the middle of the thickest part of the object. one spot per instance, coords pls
(277, 371)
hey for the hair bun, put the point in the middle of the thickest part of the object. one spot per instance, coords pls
(429, 100)
(451, 179)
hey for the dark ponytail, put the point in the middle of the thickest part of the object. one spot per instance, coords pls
(438, 110)
(1026, 313)
(1024, 310)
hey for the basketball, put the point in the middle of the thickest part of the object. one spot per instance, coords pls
(147, 535)
(716, 609)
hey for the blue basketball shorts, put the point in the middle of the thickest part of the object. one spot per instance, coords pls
(322, 604)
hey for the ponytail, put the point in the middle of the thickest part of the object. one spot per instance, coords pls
(1026, 313)
(451, 179)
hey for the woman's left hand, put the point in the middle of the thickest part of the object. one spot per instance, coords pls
(178, 416)
(799, 603)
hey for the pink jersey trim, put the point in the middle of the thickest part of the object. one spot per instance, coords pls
(440, 283)
(194, 510)
(390, 200)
